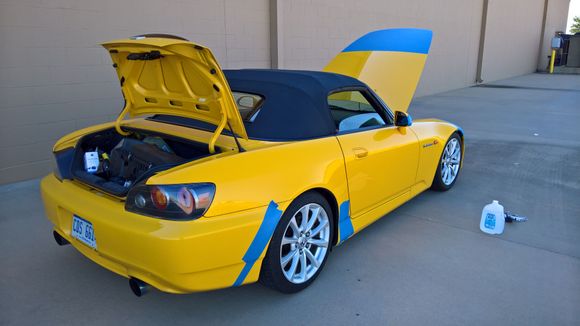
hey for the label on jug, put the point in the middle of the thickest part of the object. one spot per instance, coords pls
(490, 221)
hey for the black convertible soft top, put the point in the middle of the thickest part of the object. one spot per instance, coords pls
(295, 102)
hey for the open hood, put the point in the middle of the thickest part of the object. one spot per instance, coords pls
(169, 75)
(390, 61)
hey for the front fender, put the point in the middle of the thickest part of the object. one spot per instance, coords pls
(433, 135)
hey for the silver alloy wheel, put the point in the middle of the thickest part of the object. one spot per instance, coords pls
(450, 161)
(305, 243)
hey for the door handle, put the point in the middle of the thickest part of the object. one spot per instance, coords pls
(360, 152)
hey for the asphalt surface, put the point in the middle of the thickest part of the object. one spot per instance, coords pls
(425, 263)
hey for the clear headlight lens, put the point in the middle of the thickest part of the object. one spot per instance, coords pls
(173, 202)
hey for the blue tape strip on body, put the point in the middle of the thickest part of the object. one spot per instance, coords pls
(460, 130)
(344, 223)
(260, 241)
(398, 40)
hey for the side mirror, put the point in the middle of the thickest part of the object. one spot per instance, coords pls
(402, 119)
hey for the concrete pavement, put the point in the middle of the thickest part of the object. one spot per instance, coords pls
(425, 263)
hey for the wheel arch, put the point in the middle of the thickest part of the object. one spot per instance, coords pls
(460, 132)
(331, 199)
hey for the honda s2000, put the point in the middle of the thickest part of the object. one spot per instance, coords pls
(213, 178)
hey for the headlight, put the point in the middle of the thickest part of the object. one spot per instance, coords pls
(172, 202)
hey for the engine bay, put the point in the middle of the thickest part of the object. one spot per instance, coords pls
(114, 163)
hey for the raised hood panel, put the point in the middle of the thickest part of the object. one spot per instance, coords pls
(175, 77)
(390, 61)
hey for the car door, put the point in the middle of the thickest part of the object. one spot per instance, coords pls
(381, 159)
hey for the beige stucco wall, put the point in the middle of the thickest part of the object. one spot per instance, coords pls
(315, 31)
(54, 78)
(557, 9)
(512, 38)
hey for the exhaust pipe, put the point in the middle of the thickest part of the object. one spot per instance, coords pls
(59, 239)
(138, 287)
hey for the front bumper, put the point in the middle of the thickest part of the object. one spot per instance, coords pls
(173, 256)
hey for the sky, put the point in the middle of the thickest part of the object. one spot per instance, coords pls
(574, 11)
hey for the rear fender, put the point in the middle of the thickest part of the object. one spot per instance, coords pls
(279, 173)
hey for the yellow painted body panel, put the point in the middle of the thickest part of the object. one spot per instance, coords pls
(185, 80)
(204, 254)
(279, 173)
(172, 256)
(366, 173)
(392, 75)
(381, 164)
(431, 135)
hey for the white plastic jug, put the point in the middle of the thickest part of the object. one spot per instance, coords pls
(492, 218)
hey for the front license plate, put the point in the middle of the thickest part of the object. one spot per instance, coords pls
(83, 231)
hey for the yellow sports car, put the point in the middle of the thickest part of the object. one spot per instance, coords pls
(211, 178)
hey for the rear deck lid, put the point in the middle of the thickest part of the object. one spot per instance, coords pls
(169, 75)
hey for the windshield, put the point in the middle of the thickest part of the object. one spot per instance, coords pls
(248, 104)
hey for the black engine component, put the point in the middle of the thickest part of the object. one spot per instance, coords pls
(132, 158)
(126, 160)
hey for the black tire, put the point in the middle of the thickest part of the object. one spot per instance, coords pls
(271, 274)
(438, 183)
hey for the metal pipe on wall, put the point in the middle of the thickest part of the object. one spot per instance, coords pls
(478, 73)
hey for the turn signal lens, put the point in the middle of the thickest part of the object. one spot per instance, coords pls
(158, 198)
(173, 202)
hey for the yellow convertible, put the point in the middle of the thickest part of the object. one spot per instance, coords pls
(212, 178)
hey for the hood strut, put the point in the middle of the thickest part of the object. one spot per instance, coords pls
(121, 117)
(240, 148)
(212, 141)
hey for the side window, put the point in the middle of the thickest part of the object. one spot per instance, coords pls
(351, 110)
(248, 105)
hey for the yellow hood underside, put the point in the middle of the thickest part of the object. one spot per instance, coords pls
(174, 77)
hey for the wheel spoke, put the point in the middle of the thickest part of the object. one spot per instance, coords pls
(287, 240)
(294, 226)
(448, 175)
(303, 266)
(292, 270)
(310, 227)
(456, 149)
(319, 228)
(304, 211)
(286, 259)
(453, 144)
(312, 259)
(312, 220)
(318, 242)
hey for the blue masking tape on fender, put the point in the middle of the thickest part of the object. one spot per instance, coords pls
(344, 222)
(260, 241)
